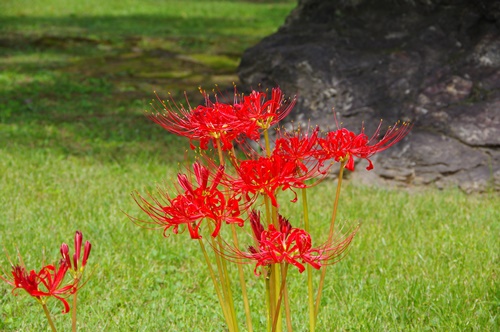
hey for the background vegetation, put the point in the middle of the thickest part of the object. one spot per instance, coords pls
(75, 77)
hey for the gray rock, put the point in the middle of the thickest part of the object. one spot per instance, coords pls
(434, 62)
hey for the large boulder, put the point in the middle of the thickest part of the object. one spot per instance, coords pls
(434, 63)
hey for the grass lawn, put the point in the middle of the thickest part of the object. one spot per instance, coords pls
(75, 78)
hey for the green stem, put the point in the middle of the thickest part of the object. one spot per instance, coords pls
(73, 313)
(227, 286)
(330, 234)
(277, 317)
(336, 201)
(243, 285)
(267, 204)
(275, 275)
(227, 283)
(49, 318)
(268, 300)
(216, 285)
(271, 281)
(288, 314)
(274, 211)
(310, 291)
(268, 145)
(272, 217)
(219, 151)
(223, 282)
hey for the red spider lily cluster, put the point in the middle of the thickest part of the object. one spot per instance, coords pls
(51, 280)
(235, 195)
(297, 157)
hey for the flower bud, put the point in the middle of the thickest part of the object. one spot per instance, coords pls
(65, 254)
(78, 248)
(86, 252)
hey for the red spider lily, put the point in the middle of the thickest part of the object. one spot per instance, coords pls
(77, 255)
(300, 148)
(193, 204)
(209, 123)
(343, 145)
(257, 227)
(264, 113)
(46, 283)
(290, 245)
(266, 175)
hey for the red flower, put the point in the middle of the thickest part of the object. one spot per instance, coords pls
(53, 279)
(46, 283)
(264, 176)
(300, 148)
(257, 227)
(264, 113)
(343, 145)
(22, 279)
(209, 123)
(193, 204)
(223, 122)
(290, 245)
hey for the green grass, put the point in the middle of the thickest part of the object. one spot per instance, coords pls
(421, 261)
(74, 81)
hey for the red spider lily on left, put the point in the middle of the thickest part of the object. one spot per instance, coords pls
(48, 282)
(51, 280)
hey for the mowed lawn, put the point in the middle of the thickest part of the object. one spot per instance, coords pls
(75, 78)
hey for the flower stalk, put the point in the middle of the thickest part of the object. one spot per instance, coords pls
(282, 292)
(49, 317)
(240, 268)
(227, 316)
(330, 235)
(310, 290)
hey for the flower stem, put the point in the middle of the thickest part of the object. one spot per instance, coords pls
(275, 275)
(267, 204)
(216, 285)
(330, 234)
(336, 201)
(310, 291)
(240, 269)
(227, 287)
(288, 314)
(274, 279)
(243, 285)
(277, 317)
(268, 145)
(73, 313)
(49, 318)
(272, 217)
(219, 151)
(268, 300)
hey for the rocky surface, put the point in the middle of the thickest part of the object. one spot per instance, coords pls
(436, 63)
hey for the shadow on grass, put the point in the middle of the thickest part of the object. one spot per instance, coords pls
(191, 33)
(80, 84)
